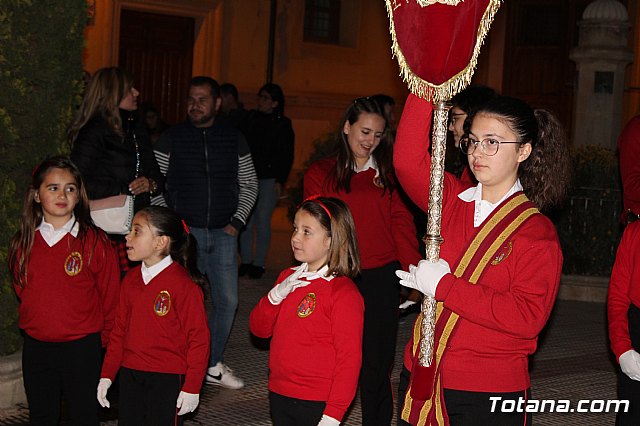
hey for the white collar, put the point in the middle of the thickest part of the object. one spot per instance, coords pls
(149, 273)
(484, 208)
(370, 164)
(320, 273)
(51, 236)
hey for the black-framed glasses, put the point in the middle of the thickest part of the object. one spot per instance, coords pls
(488, 146)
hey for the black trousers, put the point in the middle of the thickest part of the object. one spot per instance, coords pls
(54, 371)
(466, 408)
(148, 398)
(627, 388)
(381, 292)
(287, 411)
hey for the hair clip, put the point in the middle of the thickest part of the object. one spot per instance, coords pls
(186, 228)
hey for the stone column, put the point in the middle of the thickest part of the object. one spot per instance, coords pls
(601, 57)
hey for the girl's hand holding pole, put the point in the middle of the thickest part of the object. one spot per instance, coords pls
(425, 277)
(283, 289)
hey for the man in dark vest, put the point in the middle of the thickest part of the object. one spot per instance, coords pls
(212, 184)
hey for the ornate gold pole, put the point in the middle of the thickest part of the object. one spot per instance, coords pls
(433, 239)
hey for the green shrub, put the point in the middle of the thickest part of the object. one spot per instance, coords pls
(589, 224)
(40, 82)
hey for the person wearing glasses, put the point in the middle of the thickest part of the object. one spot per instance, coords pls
(464, 106)
(361, 174)
(500, 261)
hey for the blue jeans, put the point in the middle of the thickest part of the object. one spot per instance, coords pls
(217, 260)
(260, 223)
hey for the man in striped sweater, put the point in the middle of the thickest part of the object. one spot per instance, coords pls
(212, 184)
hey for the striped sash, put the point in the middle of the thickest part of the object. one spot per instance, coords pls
(424, 400)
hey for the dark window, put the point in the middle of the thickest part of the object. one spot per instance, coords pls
(322, 21)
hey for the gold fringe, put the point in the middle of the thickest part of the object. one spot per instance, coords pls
(448, 89)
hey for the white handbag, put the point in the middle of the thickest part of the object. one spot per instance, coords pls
(113, 214)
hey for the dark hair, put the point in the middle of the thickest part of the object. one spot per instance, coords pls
(343, 258)
(545, 175)
(203, 80)
(470, 99)
(183, 247)
(102, 97)
(383, 99)
(383, 154)
(229, 89)
(32, 215)
(277, 95)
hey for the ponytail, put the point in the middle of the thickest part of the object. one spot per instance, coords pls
(183, 247)
(545, 174)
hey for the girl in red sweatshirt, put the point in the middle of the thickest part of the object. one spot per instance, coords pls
(314, 316)
(65, 273)
(160, 340)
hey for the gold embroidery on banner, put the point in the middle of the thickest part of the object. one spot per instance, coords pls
(73, 264)
(162, 304)
(445, 91)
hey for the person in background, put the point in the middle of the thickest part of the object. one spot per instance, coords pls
(66, 276)
(111, 147)
(629, 153)
(152, 121)
(312, 380)
(623, 309)
(500, 263)
(160, 340)
(361, 174)
(388, 104)
(465, 104)
(271, 141)
(232, 111)
(212, 184)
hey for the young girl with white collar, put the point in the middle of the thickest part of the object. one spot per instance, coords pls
(160, 340)
(314, 316)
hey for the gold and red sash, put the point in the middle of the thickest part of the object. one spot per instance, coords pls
(424, 400)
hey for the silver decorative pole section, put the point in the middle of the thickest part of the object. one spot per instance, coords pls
(433, 239)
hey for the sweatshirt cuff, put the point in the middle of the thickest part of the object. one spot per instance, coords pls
(444, 286)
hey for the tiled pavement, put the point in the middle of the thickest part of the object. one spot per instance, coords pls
(573, 361)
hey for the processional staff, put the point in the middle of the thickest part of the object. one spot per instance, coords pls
(437, 43)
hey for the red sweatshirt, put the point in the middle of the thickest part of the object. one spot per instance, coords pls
(71, 289)
(629, 150)
(624, 289)
(384, 226)
(316, 348)
(502, 315)
(160, 327)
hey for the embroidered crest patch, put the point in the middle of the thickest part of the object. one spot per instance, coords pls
(307, 305)
(73, 264)
(162, 304)
(503, 253)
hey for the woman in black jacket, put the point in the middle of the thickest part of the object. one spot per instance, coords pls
(109, 146)
(271, 139)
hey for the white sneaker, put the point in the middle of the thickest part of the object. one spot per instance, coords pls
(222, 375)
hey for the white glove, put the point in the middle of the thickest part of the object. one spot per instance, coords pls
(328, 421)
(283, 289)
(103, 387)
(187, 402)
(425, 277)
(630, 364)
